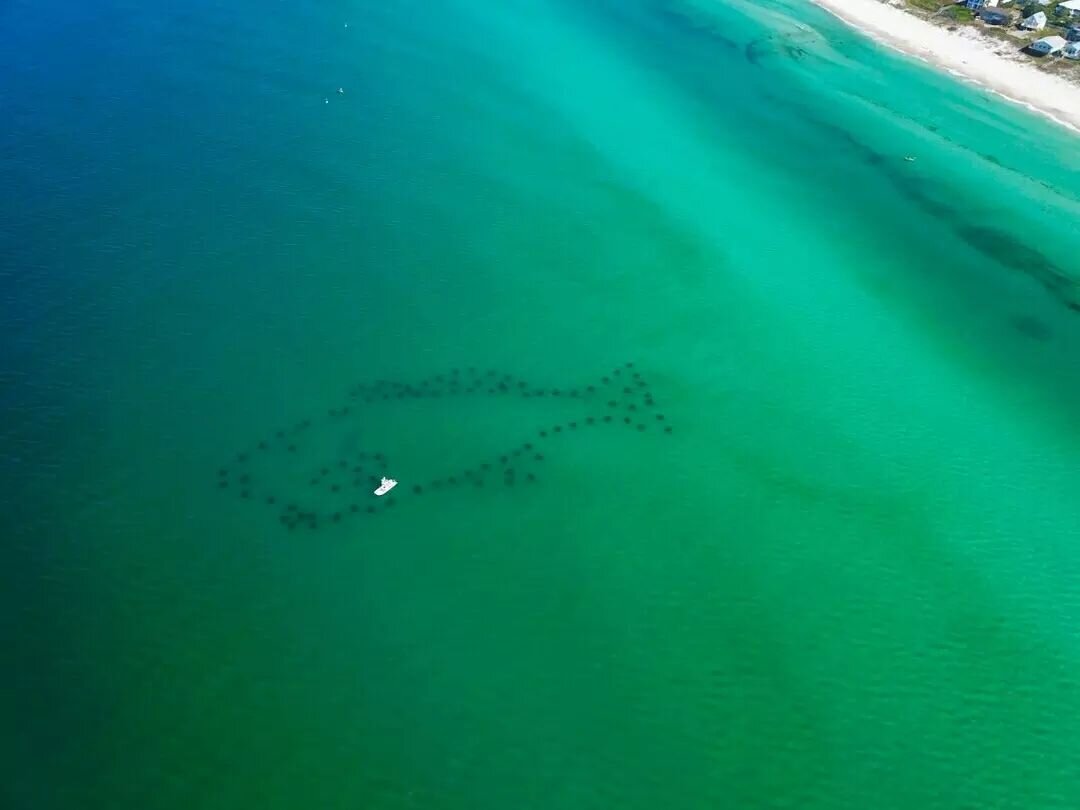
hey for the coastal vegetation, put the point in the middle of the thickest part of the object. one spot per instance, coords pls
(960, 15)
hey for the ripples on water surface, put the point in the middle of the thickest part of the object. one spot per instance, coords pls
(846, 579)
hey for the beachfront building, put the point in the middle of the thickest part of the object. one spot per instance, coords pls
(1070, 7)
(1071, 50)
(975, 5)
(1036, 22)
(1047, 46)
(1073, 34)
(994, 16)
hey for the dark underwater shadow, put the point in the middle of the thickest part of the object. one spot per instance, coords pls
(340, 486)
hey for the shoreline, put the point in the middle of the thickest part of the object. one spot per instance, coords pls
(967, 55)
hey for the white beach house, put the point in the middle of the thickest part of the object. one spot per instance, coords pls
(1071, 7)
(1036, 22)
(1047, 46)
(1071, 50)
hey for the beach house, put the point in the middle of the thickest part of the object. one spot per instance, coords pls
(1070, 7)
(975, 5)
(1073, 34)
(1036, 22)
(1047, 46)
(993, 16)
(1071, 50)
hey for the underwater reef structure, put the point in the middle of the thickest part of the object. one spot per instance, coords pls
(344, 487)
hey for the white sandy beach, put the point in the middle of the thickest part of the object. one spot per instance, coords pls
(987, 62)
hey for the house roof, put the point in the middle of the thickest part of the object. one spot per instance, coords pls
(1071, 5)
(1053, 42)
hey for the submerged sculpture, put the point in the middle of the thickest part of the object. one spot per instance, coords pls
(364, 475)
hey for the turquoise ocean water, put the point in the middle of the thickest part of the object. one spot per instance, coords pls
(847, 578)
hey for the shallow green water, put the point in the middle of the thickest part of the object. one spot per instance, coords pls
(846, 578)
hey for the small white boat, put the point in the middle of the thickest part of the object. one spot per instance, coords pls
(910, 159)
(341, 91)
(386, 485)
